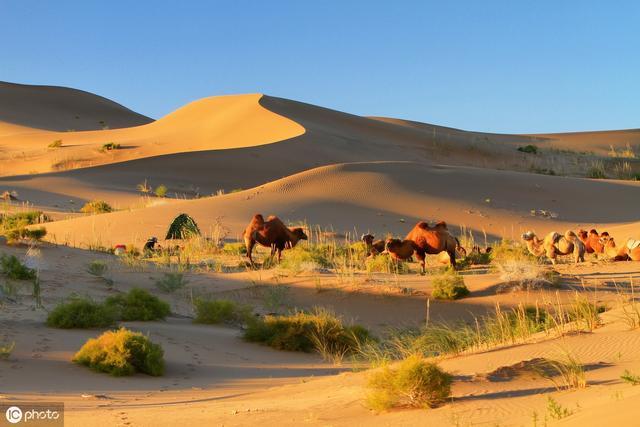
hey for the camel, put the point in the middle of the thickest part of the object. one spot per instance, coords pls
(271, 233)
(591, 240)
(374, 247)
(400, 250)
(630, 251)
(555, 244)
(433, 241)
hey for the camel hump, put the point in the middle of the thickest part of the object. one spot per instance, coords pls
(258, 218)
(422, 225)
(272, 217)
(570, 235)
(593, 231)
(555, 236)
(441, 224)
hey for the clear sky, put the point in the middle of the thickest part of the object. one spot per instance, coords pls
(504, 66)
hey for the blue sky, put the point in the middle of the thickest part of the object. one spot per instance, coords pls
(503, 66)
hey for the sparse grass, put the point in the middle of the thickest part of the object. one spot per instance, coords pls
(21, 219)
(221, 311)
(626, 153)
(384, 264)
(237, 248)
(306, 258)
(597, 170)
(585, 313)
(171, 282)
(55, 144)
(555, 410)
(569, 370)
(508, 250)
(449, 285)
(319, 330)
(630, 378)
(524, 273)
(80, 313)
(161, 191)
(138, 304)
(11, 267)
(623, 170)
(529, 149)
(6, 350)
(96, 207)
(122, 352)
(143, 187)
(412, 383)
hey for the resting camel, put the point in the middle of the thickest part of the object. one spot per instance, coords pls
(629, 251)
(400, 249)
(374, 247)
(271, 233)
(432, 241)
(555, 244)
(591, 240)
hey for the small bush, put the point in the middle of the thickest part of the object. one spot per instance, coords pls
(449, 285)
(5, 350)
(138, 304)
(96, 207)
(122, 352)
(413, 383)
(55, 144)
(14, 269)
(237, 248)
(18, 234)
(80, 313)
(161, 191)
(305, 331)
(171, 282)
(630, 378)
(529, 149)
(21, 219)
(110, 146)
(306, 258)
(97, 268)
(220, 311)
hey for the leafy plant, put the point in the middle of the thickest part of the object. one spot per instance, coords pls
(80, 313)
(122, 352)
(161, 190)
(138, 304)
(449, 285)
(14, 269)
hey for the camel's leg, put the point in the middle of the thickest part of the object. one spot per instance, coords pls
(249, 243)
(452, 258)
(279, 255)
(551, 254)
(421, 257)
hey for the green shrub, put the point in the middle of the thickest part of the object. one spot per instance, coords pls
(449, 285)
(122, 352)
(138, 304)
(18, 234)
(96, 207)
(413, 383)
(14, 269)
(161, 190)
(529, 149)
(80, 313)
(220, 311)
(237, 248)
(630, 378)
(21, 219)
(319, 330)
(97, 268)
(6, 349)
(171, 282)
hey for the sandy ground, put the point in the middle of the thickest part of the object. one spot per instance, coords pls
(343, 173)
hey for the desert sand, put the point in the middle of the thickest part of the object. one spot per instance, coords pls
(225, 158)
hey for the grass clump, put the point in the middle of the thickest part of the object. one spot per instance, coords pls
(384, 264)
(413, 383)
(120, 353)
(32, 234)
(319, 331)
(630, 378)
(6, 350)
(596, 171)
(237, 248)
(220, 311)
(525, 274)
(569, 370)
(529, 149)
(80, 313)
(306, 258)
(171, 282)
(161, 190)
(96, 207)
(11, 266)
(449, 285)
(97, 268)
(138, 304)
(55, 144)
(556, 410)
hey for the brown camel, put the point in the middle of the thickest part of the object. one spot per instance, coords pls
(630, 251)
(432, 241)
(591, 241)
(400, 250)
(555, 244)
(374, 247)
(271, 233)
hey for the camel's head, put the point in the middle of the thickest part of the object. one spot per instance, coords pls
(606, 240)
(367, 239)
(529, 235)
(299, 233)
(582, 234)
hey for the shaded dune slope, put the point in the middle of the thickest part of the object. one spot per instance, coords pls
(60, 109)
